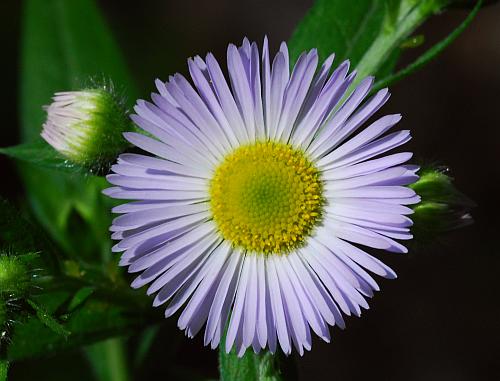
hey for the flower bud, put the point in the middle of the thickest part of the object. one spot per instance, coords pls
(87, 126)
(443, 207)
(14, 276)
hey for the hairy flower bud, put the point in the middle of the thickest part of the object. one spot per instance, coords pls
(443, 207)
(87, 126)
(14, 276)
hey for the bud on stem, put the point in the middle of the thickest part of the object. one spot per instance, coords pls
(443, 207)
(87, 127)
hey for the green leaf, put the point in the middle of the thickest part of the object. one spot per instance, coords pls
(345, 28)
(64, 43)
(39, 153)
(249, 367)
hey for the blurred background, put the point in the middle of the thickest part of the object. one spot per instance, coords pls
(440, 319)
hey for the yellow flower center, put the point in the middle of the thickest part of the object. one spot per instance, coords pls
(266, 197)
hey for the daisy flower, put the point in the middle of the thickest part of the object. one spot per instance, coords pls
(251, 212)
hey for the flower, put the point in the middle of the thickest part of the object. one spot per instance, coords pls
(260, 191)
(86, 126)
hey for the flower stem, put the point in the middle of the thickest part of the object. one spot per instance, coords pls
(396, 29)
(431, 53)
(263, 366)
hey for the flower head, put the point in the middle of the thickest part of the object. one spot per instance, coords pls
(86, 126)
(259, 193)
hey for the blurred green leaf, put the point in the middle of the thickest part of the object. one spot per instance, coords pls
(100, 317)
(4, 367)
(146, 340)
(345, 28)
(80, 297)
(21, 237)
(66, 42)
(39, 153)
(109, 360)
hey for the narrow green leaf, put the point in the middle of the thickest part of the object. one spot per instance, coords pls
(39, 153)
(64, 43)
(413, 42)
(80, 297)
(48, 320)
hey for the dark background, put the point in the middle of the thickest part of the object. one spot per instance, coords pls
(440, 319)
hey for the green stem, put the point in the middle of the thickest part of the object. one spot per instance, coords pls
(263, 366)
(431, 53)
(394, 31)
(109, 360)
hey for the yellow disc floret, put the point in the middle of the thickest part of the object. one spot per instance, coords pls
(266, 197)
